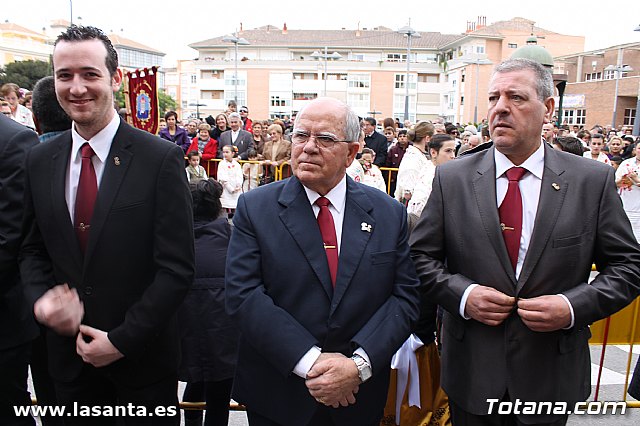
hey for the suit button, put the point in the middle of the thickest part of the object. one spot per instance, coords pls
(88, 291)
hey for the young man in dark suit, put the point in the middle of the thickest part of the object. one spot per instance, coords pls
(108, 251)
(323, 293)
(513, 279)
(17, 328)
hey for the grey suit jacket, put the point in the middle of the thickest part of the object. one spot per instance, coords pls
(458, 242)
(243, 142)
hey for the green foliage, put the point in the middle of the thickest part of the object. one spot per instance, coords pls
(25, 73)
(166, 103)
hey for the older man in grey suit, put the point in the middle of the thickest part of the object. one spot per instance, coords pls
(237, 137)
(513, 278)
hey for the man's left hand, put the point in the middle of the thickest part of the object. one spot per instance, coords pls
(99, 351)
(333, 381)
(545, 313)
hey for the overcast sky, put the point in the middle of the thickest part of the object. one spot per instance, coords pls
(170, 26)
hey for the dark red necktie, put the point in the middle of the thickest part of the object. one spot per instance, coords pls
(328, 231)
(86, 196)
(511, 214)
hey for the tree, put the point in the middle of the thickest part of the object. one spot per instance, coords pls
(166, 102)
(25, 73)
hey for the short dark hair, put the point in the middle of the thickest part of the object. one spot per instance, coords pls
(570, 144)
(46, 109)
(81, 33)
(170, 114)
(597, 136)
(371, 121)
(438, 140)
(205, 194)
(192, 154)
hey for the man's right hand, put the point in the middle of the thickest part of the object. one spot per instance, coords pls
(60, 309)
(488, 305)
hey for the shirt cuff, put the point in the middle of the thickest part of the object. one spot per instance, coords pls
(463, 301)
(306, 362)
(573, 317)
(364, 355)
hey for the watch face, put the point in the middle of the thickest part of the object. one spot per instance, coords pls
(365, 373)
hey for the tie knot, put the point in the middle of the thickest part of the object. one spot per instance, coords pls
(86, 151)
(323, 202)
(516, 173)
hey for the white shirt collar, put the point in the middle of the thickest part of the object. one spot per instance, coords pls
(336, 196)
(101, 142)
(534, 164)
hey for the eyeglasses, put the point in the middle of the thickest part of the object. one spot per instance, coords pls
(6, 113)
(322, 141)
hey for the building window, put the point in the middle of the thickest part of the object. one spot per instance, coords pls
(575, 116)
(480, 50)
(305, 76)
(358, 100)
(211, 74)
(629, 116)
(359, 80)
(462, 78)
(400, 81)
(593, 76)
(512, 45)
(337, 77)
(609, 74)
(276, 101)
(193, 79)
(428, 78)
(461, 100)
(304, 96)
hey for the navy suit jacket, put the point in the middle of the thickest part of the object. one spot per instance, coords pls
(279, 291)
(139, 261)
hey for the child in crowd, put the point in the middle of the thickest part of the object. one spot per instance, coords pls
(372, 174)
(252, 171)
(195, 171)
(390, 134)
(230, 177)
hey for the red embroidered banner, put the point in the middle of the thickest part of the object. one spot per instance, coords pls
(142, 99)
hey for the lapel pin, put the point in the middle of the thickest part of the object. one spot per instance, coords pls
(555, 186)
(116, 161)
(365, 227)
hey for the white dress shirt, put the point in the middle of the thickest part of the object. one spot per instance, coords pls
(101, 144)
(337, 197)
(234, 136)
(530, 185)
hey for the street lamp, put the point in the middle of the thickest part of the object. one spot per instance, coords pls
(233, 38)
(71, 11)
(617, 69)
(477, 62)
(197, 105)
(326, 56)
(636, 120)
(409, 33)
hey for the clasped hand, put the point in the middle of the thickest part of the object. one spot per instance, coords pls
(333, 380)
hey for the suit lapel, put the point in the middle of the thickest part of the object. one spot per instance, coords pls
(299, 219)
(484, 189)
(354, 239)
(549, 206)
(59, 164)
(113, 175)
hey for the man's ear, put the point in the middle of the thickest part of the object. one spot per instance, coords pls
(550, 104)
(354, 147)
(116, 80)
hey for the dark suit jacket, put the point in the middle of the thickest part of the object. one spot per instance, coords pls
(16, 321)
(244, 141)
(279, 292)
(378, 143)
(139, 261)
(458, 242)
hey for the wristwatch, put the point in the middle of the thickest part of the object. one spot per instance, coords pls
(364, 369)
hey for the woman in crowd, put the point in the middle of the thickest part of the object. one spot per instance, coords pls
(628, 182)
(585, 137)
(615, 147)
(19, 113)
(415, 160)
(442, 148)
(205, 145)
(372, 174)
(209, 338)
(222, 125)
(276, 151)
(174, 133)
(258, 139)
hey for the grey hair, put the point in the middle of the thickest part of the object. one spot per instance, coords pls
(236, 115)
(352, 122)
(544, 79)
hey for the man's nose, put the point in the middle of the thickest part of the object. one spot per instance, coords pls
(501, 105)
(78, 87)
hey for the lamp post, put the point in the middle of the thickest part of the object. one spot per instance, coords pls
(477, 62)
(326, 56)
(409, 33)
(71, 11)
(617, 69)
(197, 105)
(233, 38)
(636, 121)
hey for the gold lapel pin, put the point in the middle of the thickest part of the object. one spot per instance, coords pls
(116, 161)
(555, 186)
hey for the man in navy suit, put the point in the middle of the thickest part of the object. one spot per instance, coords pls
(107, 287)
(317, 339)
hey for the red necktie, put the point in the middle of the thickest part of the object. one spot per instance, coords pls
(86, 196)
(511, 214)
(328, 231)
